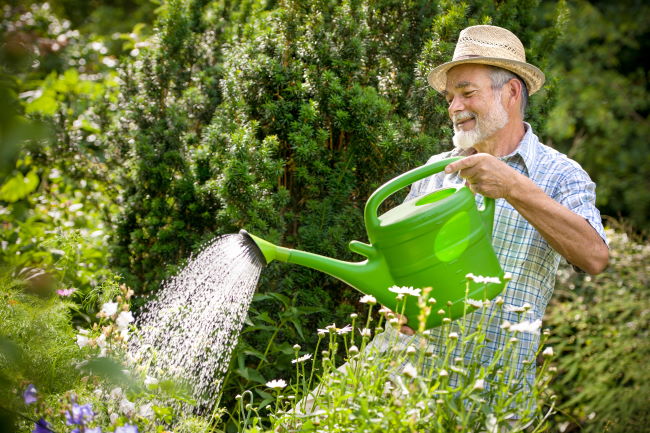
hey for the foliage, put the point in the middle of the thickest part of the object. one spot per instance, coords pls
(78, 376)
(401, 387)
(600, 329)
(601, 114)
(54, 197)
(37, 326)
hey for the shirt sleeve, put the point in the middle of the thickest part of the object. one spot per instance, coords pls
(577, 192)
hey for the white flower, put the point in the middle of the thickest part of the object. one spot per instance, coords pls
(278, 383)
(123, 320)
(365, 332)
(368, 299)
(479, 385)
(491, 424)
(453, 335)
(146, 411)
(101, 340)
(127, 407)
(149, 380)
(116, 393)
(384, 310)
(303, 358)
(526, 326)
(353, 350)
(410, 371)
(483, 280)
(82, 340)
(109, 308)
(506, 325)
(344, 330)
(513, 309)
(548, 352)
(405, 291)
(410, 350)
(443, 373)
(474, 303)
(113, 417)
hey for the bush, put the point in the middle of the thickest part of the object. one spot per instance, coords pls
(600, 328)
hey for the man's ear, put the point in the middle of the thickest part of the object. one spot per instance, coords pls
(513, 95)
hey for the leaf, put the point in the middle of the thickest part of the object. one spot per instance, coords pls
(251, 374)
(19, 186)
(107, 369)
(45, 104)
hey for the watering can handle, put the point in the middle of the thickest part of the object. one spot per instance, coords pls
(406, 179)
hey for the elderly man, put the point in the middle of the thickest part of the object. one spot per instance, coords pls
(545, 202)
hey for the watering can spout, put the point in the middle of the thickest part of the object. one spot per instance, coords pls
(370, 276)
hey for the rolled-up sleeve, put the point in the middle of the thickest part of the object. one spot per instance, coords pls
(577, 192)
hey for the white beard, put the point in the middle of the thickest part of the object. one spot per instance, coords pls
(495, 119)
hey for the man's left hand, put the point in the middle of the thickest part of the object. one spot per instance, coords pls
(485, 174)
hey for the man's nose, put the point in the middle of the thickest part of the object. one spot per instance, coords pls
(455, 106)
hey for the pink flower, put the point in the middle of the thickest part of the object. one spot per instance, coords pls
(66, 292)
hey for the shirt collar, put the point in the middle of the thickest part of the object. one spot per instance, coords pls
(527, 149)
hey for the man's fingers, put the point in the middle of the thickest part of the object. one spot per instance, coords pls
(406, 330)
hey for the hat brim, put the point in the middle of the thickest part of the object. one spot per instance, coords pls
(532, 76)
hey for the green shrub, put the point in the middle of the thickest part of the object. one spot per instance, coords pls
(600, 331)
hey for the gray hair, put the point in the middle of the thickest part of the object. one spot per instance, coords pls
(500, 77)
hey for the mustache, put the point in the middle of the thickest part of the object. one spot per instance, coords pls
(463, 116)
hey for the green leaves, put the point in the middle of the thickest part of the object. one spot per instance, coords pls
(18, 187)
(600, 327)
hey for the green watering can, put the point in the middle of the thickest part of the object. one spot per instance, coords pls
(430, 241)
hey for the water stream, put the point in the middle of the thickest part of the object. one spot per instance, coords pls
(189, 330)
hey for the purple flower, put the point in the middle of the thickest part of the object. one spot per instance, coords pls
(66, 292)
(128, 428)
(30, 394)
(79, 414)
(42, 426)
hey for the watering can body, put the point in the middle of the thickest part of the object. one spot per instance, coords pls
(431, 241)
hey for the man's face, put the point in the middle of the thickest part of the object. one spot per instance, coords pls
(474, 107)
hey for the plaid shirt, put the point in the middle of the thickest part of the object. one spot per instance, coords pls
(521, 250)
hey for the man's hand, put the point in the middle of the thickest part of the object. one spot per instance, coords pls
(486, 175)
(567, 232)
(403, 327)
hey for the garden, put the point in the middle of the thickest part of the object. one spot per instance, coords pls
(136, 132)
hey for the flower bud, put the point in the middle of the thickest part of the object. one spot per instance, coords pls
(548, 352)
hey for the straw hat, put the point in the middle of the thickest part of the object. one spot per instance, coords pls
(489, 45)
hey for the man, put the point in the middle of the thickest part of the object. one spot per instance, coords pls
(545, 203)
